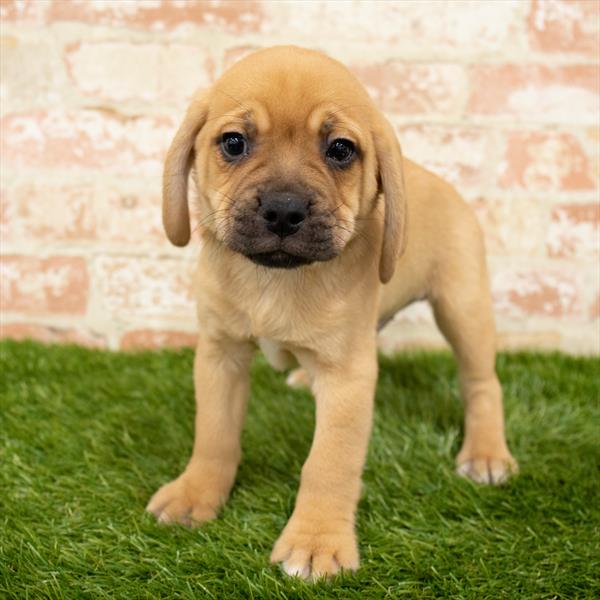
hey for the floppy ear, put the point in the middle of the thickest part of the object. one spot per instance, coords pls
(389, 160)
(180, 157)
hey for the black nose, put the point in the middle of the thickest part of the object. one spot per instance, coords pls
(283, 212)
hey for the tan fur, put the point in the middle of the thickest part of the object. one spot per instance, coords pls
(394, 222)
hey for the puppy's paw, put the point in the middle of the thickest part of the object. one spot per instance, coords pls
(489, 468)
(185, 501)
(314, 550)
(299, 378)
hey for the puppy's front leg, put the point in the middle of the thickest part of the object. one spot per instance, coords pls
(319, 538)
(221, 383)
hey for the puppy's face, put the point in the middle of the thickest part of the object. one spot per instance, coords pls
(280, 163)
(285, 158)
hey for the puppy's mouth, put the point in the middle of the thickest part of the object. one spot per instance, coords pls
(279, 259)
(247, 232)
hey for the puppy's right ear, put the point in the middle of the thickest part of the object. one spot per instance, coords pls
(180, 157)
(391, 173)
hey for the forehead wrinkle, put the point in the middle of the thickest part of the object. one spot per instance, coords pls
(252, 113)
(316, 119)
(260, 117)
(323, 119)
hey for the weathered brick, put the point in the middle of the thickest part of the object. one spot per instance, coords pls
(242, 16)
(459, 154)
(545, 160)
(450, 27)
(235, 53)
(591, 142)
(23, 11)
(405, 88)
(32, 74)
(184, 70)
(58, 284)
(571, 26)
(560, 94)
(121, 72)
(407, 339)
(51, 335)
(512, 226)
(151, 338)
(131, 214)
(528, 340)
(83, 142)
(28, 212)
(124, 211)
(521, 293)
(86, 138)
(574, 231)
(594, 310)
(145, 287)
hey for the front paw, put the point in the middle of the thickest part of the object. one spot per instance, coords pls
(492, 467)
(312, 549)
(186, 500)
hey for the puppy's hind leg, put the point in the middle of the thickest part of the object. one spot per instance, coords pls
(281, 360)
(299, 378)
(463, 311)
(276, 356)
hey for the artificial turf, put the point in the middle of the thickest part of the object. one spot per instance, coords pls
(87, 436)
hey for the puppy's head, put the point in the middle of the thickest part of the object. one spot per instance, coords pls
(290, 156)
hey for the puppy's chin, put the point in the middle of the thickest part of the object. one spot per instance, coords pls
(279, 259)
(290, 253)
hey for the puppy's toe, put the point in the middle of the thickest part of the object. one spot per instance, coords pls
(315, 551)
(299, 378)
(487, 469)
(324, 565)
(179, 502)
(297, 564)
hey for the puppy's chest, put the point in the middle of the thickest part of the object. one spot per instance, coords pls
(283, 316)
(280, 311)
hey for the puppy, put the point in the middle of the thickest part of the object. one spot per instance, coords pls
(314, 230)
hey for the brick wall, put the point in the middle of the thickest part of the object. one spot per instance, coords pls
(500, 97)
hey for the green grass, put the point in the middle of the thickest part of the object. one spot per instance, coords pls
(88, 436)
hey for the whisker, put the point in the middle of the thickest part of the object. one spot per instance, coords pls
(332, 212)
(359, 234)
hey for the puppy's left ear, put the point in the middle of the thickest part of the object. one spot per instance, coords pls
(391, 175)
(180, 157)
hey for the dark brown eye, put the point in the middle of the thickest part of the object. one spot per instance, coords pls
(233, 145)
(341, 152)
